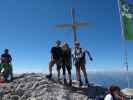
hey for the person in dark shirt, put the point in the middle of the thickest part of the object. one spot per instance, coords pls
(56, 57)
(6, 57)
(6, 65)
(66, 62)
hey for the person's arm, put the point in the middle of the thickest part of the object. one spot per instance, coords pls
(10, 58)
(51, 51)
(2, 57)
(89, 55)
(70, 56)
(71, 53)
(0, 68)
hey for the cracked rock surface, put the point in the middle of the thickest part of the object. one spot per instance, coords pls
(35, 86)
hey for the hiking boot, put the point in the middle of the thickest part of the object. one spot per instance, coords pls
(80, 83)
(87, 83)
(58, 79)
(65, 82)
(70, 83)
(49, 76)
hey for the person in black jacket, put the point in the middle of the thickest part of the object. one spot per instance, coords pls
(66, 62)
(56, 57)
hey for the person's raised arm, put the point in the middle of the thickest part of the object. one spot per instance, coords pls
(88, 53)
(10, 58)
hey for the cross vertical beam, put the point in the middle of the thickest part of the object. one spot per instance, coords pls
(74, 24)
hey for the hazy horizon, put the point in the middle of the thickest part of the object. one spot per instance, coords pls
(45, 71)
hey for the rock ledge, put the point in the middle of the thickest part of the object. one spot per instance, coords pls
(35, 86)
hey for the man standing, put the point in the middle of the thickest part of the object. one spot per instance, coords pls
(6, 64)
(56, 57)
(79, 60)
(83, 63)
(77, 55)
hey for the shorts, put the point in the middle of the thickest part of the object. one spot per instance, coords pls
(58, 64)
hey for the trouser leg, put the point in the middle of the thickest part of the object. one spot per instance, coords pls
(64, 72)
(58, 75)
(11, 72)
(0, 69)
(69, 71)
(69, 74)
(58, 63)
(84, 72)
(6, 74)
(51, 64)
(58, 71)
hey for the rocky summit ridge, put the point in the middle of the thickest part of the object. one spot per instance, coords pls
(35, 86)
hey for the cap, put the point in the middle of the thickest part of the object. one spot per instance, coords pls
(77, 43)
(6, 50)
(58, 42)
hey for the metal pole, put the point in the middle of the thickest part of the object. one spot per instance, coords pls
(126, 64)
(124, 44)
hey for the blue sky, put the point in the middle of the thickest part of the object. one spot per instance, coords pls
(27, 29)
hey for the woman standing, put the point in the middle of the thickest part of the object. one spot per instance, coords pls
(66, 62)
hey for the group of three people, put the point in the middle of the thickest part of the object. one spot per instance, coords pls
(6, 72)
(63, 56)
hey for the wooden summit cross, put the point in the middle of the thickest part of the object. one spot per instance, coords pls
(74, 24)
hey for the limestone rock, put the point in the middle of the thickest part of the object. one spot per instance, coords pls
(34, 86)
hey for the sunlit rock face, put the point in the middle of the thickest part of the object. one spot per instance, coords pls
(35, 86)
